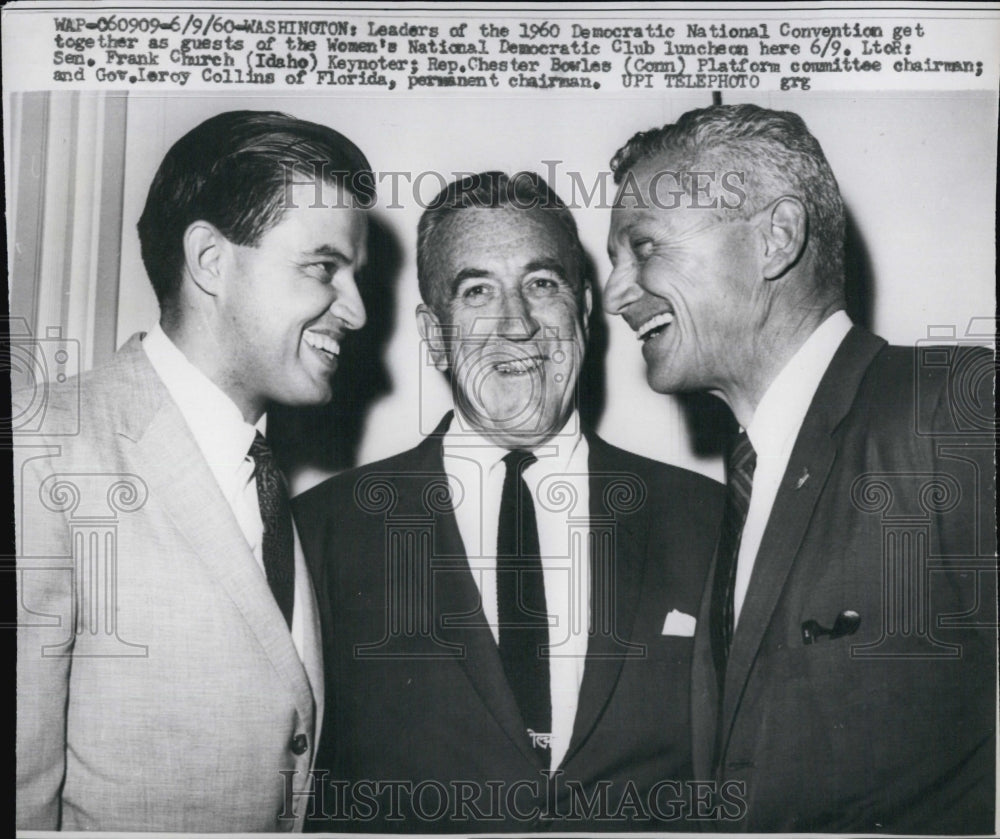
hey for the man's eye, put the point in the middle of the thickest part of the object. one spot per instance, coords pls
(475, 293)
(544, 285)
(642, 248)
(323, 271)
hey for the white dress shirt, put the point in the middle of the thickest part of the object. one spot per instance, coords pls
(224, 438)
(558, 482)
(773, 430)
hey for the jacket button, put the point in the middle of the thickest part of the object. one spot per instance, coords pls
(299, 744)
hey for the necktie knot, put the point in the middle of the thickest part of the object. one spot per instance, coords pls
(261, 454)
(517, 510)
(518, 460)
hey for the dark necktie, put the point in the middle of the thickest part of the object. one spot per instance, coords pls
(276, 515)
(523, 618)
(740, 468)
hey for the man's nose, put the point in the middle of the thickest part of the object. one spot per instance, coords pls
(347, 305)
(516, 322)
(621, 290)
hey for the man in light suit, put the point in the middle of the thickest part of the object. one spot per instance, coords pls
(508, 607)
(169, 665)
(844, 664)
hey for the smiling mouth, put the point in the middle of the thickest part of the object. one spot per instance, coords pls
(654, 326)
(324, 343)
(520, 366)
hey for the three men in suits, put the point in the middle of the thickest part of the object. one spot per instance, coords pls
(844, 666)
(508, 607)
(169, 662)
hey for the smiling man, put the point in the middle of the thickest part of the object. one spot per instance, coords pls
(509, 605)
(175, 682)
(844, 667)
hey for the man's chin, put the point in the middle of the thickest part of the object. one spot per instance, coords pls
(664, 381)
(312, 394)
(524, 429)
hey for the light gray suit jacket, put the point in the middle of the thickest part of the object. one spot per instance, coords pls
(158, 686)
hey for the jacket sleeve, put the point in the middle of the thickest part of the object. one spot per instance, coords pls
(45, 637)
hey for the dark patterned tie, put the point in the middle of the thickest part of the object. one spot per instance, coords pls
(276, 515)
(523, 618)
(741, 464)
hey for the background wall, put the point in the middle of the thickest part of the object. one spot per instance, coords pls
(918, 174)
(64, 157)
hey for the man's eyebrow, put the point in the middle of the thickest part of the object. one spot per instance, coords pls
(547, 264)
(330, 252)
(543, 264)
(466, 274)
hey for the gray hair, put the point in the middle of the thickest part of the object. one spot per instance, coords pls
(777, 155)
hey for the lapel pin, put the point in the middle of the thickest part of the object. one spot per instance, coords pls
(801, 482)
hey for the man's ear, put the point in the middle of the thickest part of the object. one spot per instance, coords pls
(204, 248)
(588, 307)
(785, 226)
(430, 330)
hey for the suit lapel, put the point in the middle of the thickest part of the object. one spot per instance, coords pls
(458, 614)
(617, 536)
(813, 455)
(169, 460)
(312, 640)
(704, 686)
(790, 517)
(617, 552)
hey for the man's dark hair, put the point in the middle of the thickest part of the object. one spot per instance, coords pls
(525, 191)
(777, 156)
(236, 171)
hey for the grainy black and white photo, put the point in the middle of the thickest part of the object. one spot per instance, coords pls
(485, 420)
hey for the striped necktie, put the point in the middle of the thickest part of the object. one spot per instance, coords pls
(741, 464)
(276, 515)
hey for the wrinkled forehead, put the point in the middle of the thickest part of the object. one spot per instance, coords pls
(509, 237)
(484, 228)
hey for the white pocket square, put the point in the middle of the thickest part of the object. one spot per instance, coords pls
(677, 623)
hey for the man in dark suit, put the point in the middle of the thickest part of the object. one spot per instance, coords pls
(509, 607)
(844, 666)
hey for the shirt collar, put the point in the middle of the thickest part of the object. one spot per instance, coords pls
(553, 455)
(783, 407)
(217, 425)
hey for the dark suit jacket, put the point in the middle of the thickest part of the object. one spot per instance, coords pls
(891, 728)
(419, 693)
